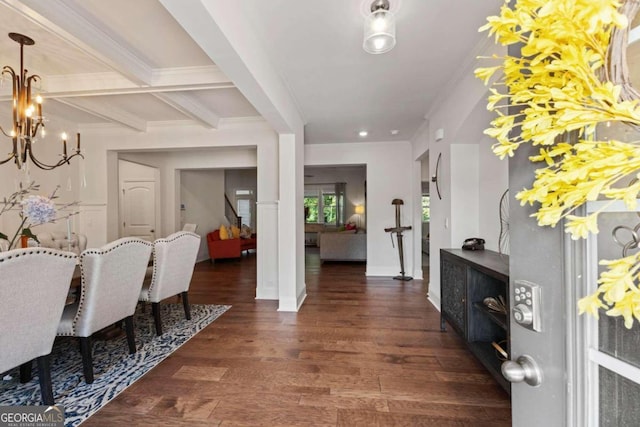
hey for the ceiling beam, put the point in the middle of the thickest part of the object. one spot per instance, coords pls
(191, 107)
(132, 74)
(113, 83)
(110, 114)
(225, 34)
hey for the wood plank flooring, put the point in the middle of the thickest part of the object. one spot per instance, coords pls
(361, 352)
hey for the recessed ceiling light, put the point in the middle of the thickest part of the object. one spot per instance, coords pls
(395, 132)
(363, 133)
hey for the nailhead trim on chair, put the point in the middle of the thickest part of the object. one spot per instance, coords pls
(82, 275)
(178, 235)
(34, 251)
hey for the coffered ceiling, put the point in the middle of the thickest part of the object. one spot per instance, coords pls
(130, 63)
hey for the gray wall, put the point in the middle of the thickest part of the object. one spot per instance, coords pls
(202, 194)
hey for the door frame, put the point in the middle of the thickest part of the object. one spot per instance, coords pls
(583, 357)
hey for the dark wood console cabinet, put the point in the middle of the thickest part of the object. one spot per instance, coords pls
(466, 278)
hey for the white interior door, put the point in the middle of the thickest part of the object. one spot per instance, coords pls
(138, 215)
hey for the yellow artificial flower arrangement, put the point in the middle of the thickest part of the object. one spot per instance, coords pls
(561, 84)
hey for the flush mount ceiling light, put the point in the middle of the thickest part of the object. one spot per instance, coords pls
(363, 133)
(379, 28)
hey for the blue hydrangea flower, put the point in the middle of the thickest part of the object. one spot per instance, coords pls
(38, 209)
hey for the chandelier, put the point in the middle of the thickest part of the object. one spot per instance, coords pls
(27, 117)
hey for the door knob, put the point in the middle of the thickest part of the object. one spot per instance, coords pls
(153, 231)
(523, 369)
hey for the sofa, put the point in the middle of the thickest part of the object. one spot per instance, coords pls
(343, 246)
(229, 248)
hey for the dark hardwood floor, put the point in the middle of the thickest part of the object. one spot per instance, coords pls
(361, 352)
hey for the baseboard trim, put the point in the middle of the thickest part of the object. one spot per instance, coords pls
(288, 304)
(434, 301)
(301, 298)
(382, 271)
(266, 294)
(293, 304)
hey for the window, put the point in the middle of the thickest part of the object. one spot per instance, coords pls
(244, 207)
(324, 204)
(426, 213)
(329, 209)
(311, 208)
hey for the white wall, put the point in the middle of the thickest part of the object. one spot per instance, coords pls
(388, 178)
(202, 193)
(463, 116)
(464, 197)
(494, 179)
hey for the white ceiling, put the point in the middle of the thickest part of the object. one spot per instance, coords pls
(130, 62)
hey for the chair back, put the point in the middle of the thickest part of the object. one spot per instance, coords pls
(112, 278)
(173, 260)
(33, 290)
(60, 240)
(190, 227)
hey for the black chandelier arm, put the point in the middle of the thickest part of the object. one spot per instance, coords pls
(11, 157)
(38, 123)
(77, 153)
(5, 133)
(9, 70)
(44, 166)
(28, 84)
(34, 77)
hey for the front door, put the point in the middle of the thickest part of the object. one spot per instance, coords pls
(536, 264)
(138, 214)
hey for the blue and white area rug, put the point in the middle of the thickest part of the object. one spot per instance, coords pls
(114, 368)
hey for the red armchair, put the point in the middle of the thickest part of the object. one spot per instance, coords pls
(230, 248)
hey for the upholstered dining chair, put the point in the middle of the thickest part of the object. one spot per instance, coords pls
(112, 277)
(190, 227)
(173, 260)
(60, 240)
(33, 291)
